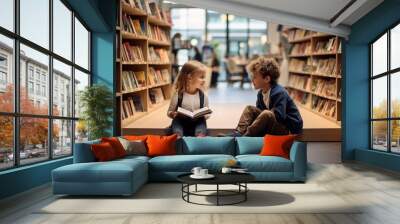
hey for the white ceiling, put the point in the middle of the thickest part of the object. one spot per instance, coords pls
(308, 14)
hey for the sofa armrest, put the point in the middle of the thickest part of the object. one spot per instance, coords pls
(83, 152)
(298, 155)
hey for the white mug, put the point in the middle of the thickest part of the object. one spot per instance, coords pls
(226, 170)
(203, 172)
(196, 171)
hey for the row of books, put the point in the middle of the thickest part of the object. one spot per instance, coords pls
(158, 55)
(324, 87)
(132, 25)
(299, 82)
(299, 96)
(325, 67)
(156, 95)
(299, 34)
(132, 80)
(158, 76)
(157, 33)
(324, 106)
(300, 65)
(151, 8)
(131, 105)
(301, 48)
(326, 46)
(132, 53)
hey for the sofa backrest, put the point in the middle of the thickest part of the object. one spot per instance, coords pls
(206, 145)
(249, 145)
(83, 153)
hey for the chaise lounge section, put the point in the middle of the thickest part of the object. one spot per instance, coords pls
(125, 176)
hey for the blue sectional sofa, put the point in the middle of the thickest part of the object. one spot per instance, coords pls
(125, 176)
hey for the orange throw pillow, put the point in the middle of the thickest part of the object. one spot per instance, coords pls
(103, 152)
(116, 145)
(277, 145)
(135, 137)
(161, 145)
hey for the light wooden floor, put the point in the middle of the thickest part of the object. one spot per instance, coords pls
(227, 104)
(379, 189)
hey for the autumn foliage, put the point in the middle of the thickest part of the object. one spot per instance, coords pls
(33, 131)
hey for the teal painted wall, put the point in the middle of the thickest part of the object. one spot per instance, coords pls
(355, 125)
(99, 16)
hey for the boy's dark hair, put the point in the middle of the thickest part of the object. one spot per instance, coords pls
(265, 67)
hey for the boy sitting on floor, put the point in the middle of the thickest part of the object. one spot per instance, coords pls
(275, 112)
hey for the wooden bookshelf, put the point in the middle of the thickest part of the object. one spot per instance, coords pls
(141, 80)
(315, 72)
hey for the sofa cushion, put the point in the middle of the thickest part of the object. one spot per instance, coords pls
(112, 171)
(257, 163)
(103, 152)
(185, 163)
(159, 145)
(277, 145)
(83, 152)
(206, 145)
(116, 145)
(249, 145)
(136, 147)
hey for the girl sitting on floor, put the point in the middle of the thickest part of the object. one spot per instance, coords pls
(189, 95)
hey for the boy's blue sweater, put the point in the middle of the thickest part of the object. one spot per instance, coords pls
(282, 105)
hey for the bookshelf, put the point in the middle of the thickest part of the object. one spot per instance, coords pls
(315, 72)
(143, 68)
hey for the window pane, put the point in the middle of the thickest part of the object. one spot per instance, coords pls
(62, 89)
(81, 131)
(379, 55)
(379, 135)
(6, 142)
(62, 29)
(237, 35)
(395, 47)
(395, 94)
(395, 136)
(6, 74)
(379, 97)
(81, 81)
(62, 138)
(33, 139)
(7, 14)
(81, 45)
(34, 72)
(35, 21)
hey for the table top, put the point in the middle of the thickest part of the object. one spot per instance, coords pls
(220, 178)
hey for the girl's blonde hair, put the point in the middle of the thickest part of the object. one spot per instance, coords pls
(188, 68)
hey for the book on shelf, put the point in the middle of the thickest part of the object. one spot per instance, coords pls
(194, 114)
(326, 46)
(135, 26)
(296, 34)
(158, 76)
(324, 106)
(132, 80)
(132, 53)
(156, 95)
(299, 82)
(326, 67)
(158, 33)
(131, 105)
(324, 87)
(301, 48)
(299, 96)
(154, 10)
(301, 65)
(158, 55)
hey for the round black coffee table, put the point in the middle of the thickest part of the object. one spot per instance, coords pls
(238, 179)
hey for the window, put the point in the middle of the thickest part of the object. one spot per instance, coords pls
(46, 121)
(385, 96)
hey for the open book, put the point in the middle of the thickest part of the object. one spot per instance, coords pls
(195, 114)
